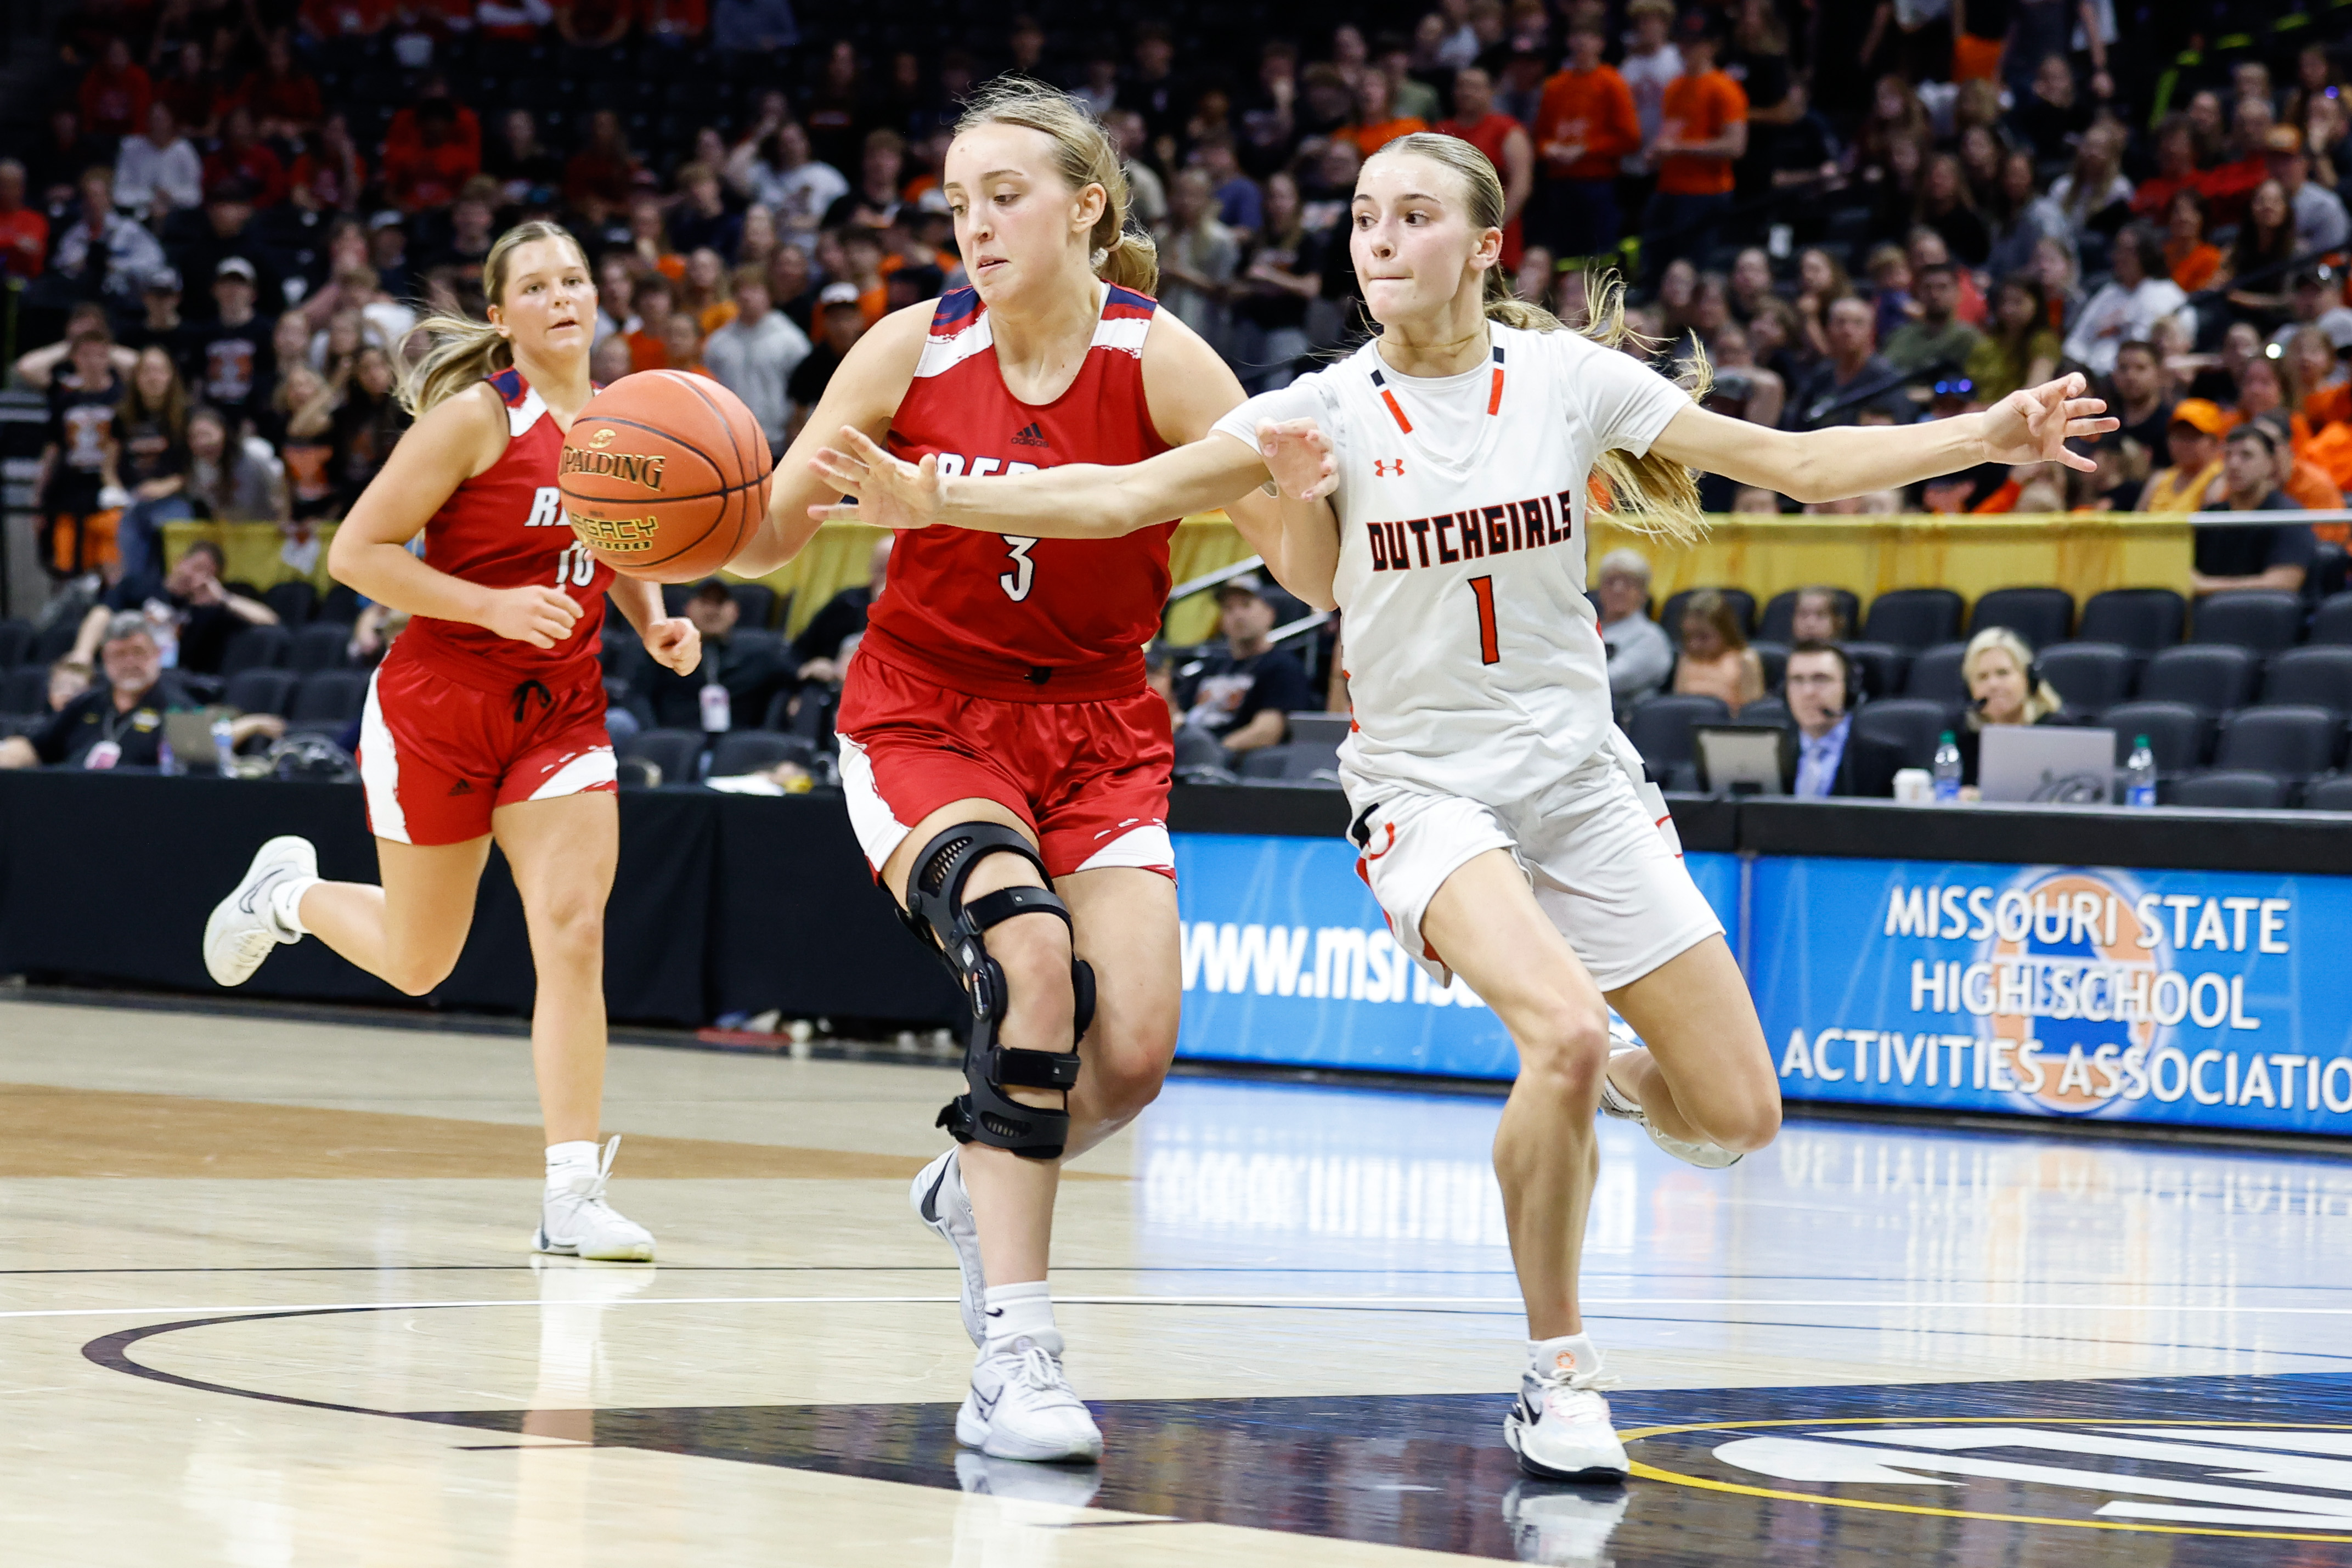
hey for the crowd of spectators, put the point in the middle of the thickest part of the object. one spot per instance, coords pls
(221, 238)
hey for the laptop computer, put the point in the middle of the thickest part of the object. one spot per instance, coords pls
(2050, 763)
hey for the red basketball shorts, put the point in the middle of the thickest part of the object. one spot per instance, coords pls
(1090, 778)
(437, 757)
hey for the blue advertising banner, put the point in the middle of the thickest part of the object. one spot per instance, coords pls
(1288, 960)
(2215, 999)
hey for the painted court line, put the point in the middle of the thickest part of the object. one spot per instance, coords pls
(1400, 1303)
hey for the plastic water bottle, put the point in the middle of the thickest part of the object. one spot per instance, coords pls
(224, 746)
(2139, 774)
(718, 709)
(1947, 768)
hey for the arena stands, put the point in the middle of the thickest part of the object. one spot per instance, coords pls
(219, 226)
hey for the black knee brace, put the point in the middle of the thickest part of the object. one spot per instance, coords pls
(937, 913)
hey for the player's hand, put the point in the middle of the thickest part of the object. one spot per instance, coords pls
(675, 644)
(889, 493)
(2034, 426)
(540, 616)
(1299, 454)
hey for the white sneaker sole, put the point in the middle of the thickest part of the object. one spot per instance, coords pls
(974, 1431)
(633, 1252)
(1601, 1464)
(970, 1304)
(226, 968)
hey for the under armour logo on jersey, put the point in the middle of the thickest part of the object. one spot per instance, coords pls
(546, 509)
(1030, 435)
(1388, 468)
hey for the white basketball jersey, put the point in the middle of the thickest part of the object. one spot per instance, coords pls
(1474, 659)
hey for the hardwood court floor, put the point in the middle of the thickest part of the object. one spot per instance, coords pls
(266, 1303)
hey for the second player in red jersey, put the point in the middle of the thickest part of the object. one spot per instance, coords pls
(1005, 762)
(486, 720)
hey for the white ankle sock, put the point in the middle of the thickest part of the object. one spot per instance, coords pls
(1017, 1310)
(567, 1160)
(1568, 1355)
(285, 903)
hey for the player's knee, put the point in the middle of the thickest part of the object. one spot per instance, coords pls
(1035, 952)
(418, 974)
(1747, 1127)
(1564, 1049)
(569, 924)
(1127, 1065)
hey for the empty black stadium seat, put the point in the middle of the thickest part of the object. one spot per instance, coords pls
(54, 641)
(341, 603)
(24, 690)
(2263, 619)
(329, 696)
(2040, 616)
(1774, 657)
(1660, 728)
(1911, 725)
(255, 647)
(1780, 619)
(259, 691)
(1935, 676)
(1742, 602)
(2327, 568)
(755, 604)
(2313, 676)
(2093, 677)
(16, 642)
(2332, 622)
(675, 751)
(295, 601)
(2236, 789)
(1879, 666)
(1913, 618)
(2177, 732)
(321, 645)
(740, 752)
(1766, 711)
(2143, 618)
(2215, 676)
(674, 597)
(2329, 794)
(2295, 743)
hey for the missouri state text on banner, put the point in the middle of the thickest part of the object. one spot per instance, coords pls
(2220, 1000)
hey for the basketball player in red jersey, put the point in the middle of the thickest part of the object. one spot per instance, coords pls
(486, 720)
(1006, 765)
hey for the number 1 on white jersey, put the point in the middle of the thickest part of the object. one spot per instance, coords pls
(1483, 589)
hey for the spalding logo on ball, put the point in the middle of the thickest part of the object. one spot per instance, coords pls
(665, 476)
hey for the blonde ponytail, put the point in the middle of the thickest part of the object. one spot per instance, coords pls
(1087, 157)
(1648, 494)
(459, 350)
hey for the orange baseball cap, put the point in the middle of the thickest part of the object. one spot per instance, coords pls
(2202, 414)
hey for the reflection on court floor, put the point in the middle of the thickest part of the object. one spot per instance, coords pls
(1291, 1306)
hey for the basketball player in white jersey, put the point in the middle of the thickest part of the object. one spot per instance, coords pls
(1434, 489)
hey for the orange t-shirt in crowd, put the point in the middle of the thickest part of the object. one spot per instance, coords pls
(1593, 109)
(2192, 266)
(2326, 405)
(2308, 486)
(1699, 109)
(1370, 139)
(647, 352)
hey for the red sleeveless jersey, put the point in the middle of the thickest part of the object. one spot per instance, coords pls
(1047, 620)
(505, 527)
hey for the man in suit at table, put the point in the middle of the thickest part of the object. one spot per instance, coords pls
(1832, 758)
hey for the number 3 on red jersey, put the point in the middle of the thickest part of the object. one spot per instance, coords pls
(1017, 582)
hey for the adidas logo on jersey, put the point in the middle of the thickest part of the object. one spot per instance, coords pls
(1470, 535)
(1030, 435)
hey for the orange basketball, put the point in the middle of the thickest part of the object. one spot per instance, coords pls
(665, 476)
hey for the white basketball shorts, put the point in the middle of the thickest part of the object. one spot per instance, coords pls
(1606, 867)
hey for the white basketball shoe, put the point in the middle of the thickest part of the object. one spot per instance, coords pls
(243, 926)
(1559, 1425)
(575, 1221)
(1616, 1102)
(940, 1201)
(1021, 1407)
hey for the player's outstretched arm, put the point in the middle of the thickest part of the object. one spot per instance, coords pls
(457, 439)
(866, 390)
(1075, 500)
(2032, 425)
